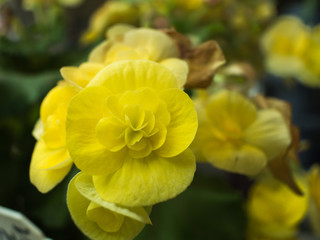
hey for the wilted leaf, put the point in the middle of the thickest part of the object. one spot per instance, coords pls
(203, 62)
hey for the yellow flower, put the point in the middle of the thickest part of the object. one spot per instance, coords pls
(110, 13)
(130, 128)
(284, 45)
(233, 135)
(314, 186)
(274, 211)
(99, 219)
(50, 161)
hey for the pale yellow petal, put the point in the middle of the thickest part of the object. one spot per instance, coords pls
(44, 177)
(244, 159)
(82, 75)
(132, 75)
(158, 45)
(147, 181)
(116, 33)
(269, 133)
(183, 125)
(84, 185)
(179, 68)
(98, 54)
(78, 205)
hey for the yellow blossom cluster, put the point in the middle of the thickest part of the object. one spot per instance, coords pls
(292, 50)
(124, 120)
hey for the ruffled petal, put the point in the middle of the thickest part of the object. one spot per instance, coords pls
(132, 75)
(183, 125)
(84, 185)
(78, 205)
(147, 181)
(48, 167)
(88, 154)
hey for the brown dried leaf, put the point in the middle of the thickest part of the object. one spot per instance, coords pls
(281, 170)
(203, 62)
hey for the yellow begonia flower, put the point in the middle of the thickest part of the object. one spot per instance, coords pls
(130, 128)
(274, 211)
(99, 219)
(292, 50)
(233, 135)
(110, 13)
(50, 161)
(125, 43)
(284, 45)
(314, 188)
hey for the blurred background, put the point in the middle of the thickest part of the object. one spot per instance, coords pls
(37, 38)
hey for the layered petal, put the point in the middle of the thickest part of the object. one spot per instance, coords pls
(183, 125)
(92, 215)
(48, 167)
(131, 75)
(85, 111)
(148, 180)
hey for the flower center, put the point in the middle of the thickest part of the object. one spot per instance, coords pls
(135, 122)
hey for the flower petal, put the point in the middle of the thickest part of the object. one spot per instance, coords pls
(48, 167)
(78, 205)
(269, 133)
(183, 126)
(88, 154)
(179, 68)
(244, 159)
(131, 75)
(58, 97)
(230, 111)
(84, 112)
(147, 181)
(158, 45)
(84, 185)
(98, 54)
